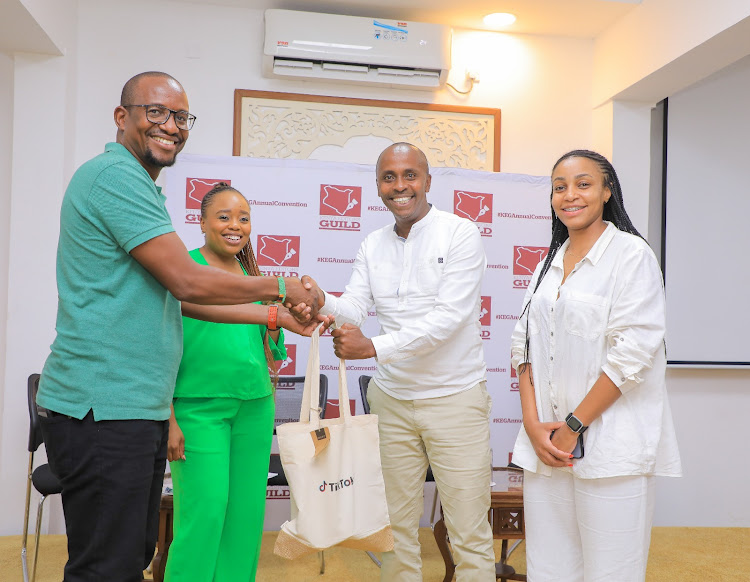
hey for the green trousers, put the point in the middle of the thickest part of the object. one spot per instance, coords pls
(220, 489)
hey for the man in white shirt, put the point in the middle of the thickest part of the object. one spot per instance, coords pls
(423, 274)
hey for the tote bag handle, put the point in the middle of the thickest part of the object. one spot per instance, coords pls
(310, 409)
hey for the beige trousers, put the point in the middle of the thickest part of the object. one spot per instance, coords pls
(452, 435)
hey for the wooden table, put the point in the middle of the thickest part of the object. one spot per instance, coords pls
(506, 517)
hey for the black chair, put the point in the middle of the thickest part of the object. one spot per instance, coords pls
(42, 478)
(289, 392)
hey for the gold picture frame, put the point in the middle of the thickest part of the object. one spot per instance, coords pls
(292, 126)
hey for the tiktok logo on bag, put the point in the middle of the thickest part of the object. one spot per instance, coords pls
(336, 485)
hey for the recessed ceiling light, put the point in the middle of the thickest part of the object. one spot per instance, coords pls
(499, 19)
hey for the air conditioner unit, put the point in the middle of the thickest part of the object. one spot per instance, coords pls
(352, 49)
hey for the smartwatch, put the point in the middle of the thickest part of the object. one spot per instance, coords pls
(574, 424)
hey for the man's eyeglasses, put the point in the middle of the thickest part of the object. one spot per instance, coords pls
(159, 114)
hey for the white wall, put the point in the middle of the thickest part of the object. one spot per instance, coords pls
(6, 149)
(544, 87)
(546, 110)
(39, 142)
(40, 89)
(57, 19)
(631, 156)
(710, 409)
(649, 42)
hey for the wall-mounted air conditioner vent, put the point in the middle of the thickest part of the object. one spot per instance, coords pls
(353, 49)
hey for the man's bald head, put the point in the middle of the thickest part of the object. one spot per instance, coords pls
(131, 87)
(403, 147)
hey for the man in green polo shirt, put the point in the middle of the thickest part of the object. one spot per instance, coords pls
(106, 387)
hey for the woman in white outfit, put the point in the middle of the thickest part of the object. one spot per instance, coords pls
(590, 355)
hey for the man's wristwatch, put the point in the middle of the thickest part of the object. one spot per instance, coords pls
(574, 424)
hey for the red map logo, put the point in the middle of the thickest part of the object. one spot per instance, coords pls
(196, 188)
(278, 251)
(340, 200)
(473, 205)
(513, 380)
(485, 310)
(288, 367)
(525, 259)
(332, 408)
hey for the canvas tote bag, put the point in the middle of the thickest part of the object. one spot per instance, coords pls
(338, 494)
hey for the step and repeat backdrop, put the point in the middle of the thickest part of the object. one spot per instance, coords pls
(309, 218)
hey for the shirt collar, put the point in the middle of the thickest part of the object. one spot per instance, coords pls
(121, 150)
(602, 243)
(420, 224)
(118, 148)
(595, 253)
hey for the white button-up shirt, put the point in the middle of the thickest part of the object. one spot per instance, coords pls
(608, 317)
(426, 291)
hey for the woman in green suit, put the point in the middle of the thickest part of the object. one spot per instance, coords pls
(222, 422)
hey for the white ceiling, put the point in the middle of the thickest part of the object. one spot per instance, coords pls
(574, 18)
(20, 32)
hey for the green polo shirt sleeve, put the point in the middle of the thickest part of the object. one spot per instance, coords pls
(127, 218)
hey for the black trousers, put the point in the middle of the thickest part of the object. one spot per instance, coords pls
(112, 473)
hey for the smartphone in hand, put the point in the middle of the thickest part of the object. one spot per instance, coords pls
(578, 450)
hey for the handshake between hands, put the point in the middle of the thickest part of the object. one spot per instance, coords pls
(304, 300)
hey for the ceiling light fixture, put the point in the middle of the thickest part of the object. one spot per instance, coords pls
(499, 19)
